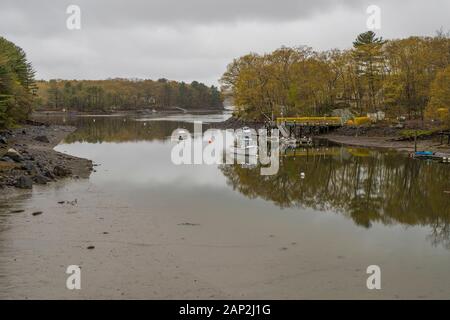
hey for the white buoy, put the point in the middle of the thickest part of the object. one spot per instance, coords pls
(302, 175)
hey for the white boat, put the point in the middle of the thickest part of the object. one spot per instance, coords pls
(247, 151)
(245, 144)
(182, 134)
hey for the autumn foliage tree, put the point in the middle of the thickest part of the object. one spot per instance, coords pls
(394, 76)
(439, 105)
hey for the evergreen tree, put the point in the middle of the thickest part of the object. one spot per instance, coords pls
(17, 85)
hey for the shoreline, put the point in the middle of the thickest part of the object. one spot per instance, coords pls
(139, 112)
(368, 137)
(28, 158)
(387, 143)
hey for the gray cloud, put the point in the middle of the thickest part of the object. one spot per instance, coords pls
(193, 39)
(47, 15)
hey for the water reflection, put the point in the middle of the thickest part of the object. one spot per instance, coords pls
(365, 185)
(116, 129)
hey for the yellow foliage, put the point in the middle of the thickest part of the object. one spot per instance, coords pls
(439, 104)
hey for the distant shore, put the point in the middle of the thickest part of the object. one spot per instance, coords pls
(146, 112)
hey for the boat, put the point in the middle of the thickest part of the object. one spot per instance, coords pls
(182, 134)
(430, 155)
(244, 144)
(423, 153)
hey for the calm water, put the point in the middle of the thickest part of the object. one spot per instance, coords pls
(162, 230)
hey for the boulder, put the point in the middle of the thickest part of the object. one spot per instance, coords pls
(43, 139)
(24, 182)
(61, 171)
(13, 154)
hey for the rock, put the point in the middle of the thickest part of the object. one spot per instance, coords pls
(3, 140)
(42, 139)
(61, 171)
(17, 211)
(36, 123)
(40, 179)
(30, 167)
(24, 182)
(188, 224)
(47, 173)
(7, 159)
(37, 213)
(14, 155)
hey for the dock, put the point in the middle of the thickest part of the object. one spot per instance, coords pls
(307, 126)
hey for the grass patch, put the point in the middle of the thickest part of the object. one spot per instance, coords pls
(410, 133)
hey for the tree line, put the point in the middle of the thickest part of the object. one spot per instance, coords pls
(17, 85)
(20, 93)
(125, 94)
(408, 77)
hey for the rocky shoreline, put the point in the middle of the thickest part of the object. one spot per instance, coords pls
(27, 157)
(234, 123)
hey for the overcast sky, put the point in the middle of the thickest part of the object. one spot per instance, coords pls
(194, 39)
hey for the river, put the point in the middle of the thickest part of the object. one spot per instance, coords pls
(161, 230)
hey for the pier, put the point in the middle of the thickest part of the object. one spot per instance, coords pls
(307, 126)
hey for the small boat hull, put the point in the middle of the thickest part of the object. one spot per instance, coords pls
(247, 151)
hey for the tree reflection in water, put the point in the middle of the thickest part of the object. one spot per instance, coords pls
(366, 185)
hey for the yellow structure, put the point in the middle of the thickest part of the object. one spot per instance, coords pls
(359, 121)
(326, 121)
